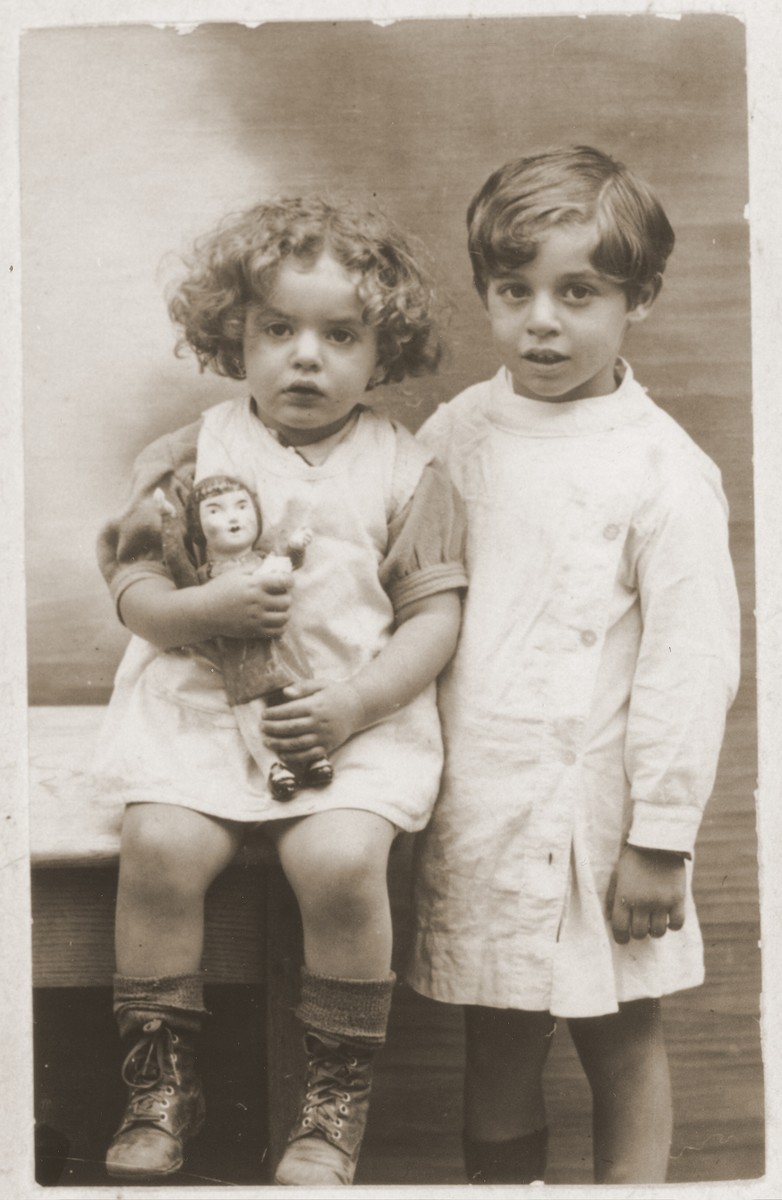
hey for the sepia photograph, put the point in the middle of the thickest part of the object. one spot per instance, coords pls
(392, 570)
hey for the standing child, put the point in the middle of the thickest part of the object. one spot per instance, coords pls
(584, 710)
(314, 305)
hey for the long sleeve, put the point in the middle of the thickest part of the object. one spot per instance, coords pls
(426, 542)
(688, 665)
(129, 546)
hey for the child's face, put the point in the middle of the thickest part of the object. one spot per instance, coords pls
(558, 323)
(307, 352)
(229, 524)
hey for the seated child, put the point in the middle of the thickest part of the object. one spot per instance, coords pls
(311, 307)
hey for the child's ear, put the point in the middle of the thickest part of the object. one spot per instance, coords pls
(645, 298)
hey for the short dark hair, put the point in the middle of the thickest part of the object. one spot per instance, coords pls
(232, 269)
(579, 184)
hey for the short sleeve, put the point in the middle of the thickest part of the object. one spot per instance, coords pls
(426, 541)
(129, 546)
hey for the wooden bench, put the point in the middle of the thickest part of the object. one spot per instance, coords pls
(253, 932)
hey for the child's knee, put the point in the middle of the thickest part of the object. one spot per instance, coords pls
(153, 861)
(344, 887)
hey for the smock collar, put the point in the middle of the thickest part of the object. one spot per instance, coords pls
(542, 418)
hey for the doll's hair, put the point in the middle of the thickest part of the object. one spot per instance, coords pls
(233, 269)
(214, 485)
(572, 184)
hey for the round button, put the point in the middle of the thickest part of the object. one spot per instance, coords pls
(569, 758)
(611, 532)
(588, 637)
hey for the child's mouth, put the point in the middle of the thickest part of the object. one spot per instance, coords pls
(544, 358)
(303, 389)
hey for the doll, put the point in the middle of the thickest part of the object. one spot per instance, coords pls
(223, 522)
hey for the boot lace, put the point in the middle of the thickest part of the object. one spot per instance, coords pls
(334, 1081)
(150, 1070)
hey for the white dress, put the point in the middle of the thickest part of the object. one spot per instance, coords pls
(170, 735)
(586, 701)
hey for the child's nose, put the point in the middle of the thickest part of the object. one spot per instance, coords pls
(542, 314)
(306, 348)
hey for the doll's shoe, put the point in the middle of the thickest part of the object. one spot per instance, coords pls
(282, 782)
(318, 773)
(165, 1105)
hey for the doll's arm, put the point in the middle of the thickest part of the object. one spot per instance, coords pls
(297, 546)
(175, 556)
(323, 716)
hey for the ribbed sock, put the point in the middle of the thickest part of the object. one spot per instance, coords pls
(177, 998)
(516, 1160)
(352, 1010)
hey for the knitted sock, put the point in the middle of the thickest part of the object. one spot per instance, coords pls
(177, 998)
(353, 1010)
(517, 1160)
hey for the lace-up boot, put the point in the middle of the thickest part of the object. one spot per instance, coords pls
(165, 1104)
(324, 1144)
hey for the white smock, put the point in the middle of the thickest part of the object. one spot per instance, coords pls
(587, 699)
(170, 735)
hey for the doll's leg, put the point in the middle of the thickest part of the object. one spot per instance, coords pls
(284, 781)
(169, 856)
(505, 1135)
(624, 1057)
(336, 863)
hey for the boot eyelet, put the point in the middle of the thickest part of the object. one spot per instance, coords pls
(169, 1091)
(343, 1108)
(336, 1135)
(307, 1121)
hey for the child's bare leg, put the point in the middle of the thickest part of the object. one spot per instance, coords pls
(169, 857)
(624, 1057)
(336, 863)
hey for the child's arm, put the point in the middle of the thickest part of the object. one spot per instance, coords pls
(423, 573)
(238, 604)
(685, 679)
(321, 717)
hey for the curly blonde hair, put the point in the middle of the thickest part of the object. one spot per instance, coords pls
(233, 268)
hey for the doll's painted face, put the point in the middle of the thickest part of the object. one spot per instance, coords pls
(229, 523)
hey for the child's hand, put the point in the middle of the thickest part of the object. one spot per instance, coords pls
(646, 894)
(245, 604)
(317, 718)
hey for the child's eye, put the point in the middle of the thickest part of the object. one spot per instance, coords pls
(343, 337)
(277, 329)
(515, 291)
(578, 292)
